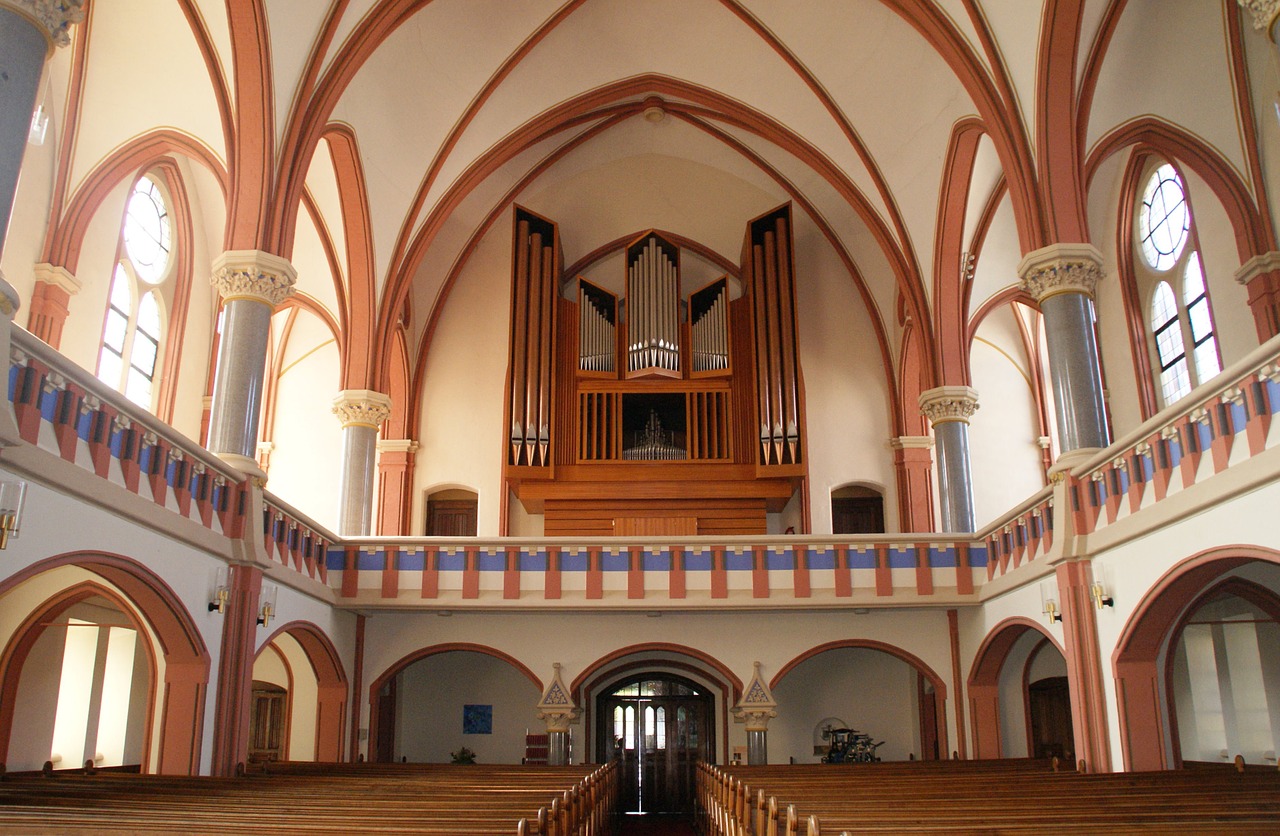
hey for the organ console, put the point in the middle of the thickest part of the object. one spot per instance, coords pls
(654, 411)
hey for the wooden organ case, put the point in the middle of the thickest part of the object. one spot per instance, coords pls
(660, 412)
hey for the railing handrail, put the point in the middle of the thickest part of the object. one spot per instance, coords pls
(273, 501)
(33, 346)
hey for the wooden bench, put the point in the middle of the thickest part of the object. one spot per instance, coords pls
(332, 798)
(987, 796)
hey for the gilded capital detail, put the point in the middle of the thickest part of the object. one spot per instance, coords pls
(1264, 12)
(253, 274)
(55, 17)
(361, 408)
(949, 403)
(1061, 268)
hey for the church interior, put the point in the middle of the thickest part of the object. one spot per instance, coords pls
(666, 383)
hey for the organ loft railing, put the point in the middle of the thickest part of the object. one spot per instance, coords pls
(632, 399)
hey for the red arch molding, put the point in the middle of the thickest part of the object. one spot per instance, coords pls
(1142, 715)
(331, 685)
(939, 687)
(984, 680)
(426, 652)
(186, 660)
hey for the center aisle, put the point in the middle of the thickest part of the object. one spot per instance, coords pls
(657, 825)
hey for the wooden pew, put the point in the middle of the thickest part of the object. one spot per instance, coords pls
(337, 798)
(991, 796)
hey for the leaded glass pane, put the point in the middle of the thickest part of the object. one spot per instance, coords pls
(143, 356)
(629, 734)
(1163, 306)
(1169, 345)
(113, 334)
(1164, 220)
(138, 388)
(661, 728)
(121, 295)
(1207, 365)
(149, 316)
(109, 367)
(1193, 280)
(1174, 382)
(146, 231)
(1201, 322)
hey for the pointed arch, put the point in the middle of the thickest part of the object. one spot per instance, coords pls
(984, 680)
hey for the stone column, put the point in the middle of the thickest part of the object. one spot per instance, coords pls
(50, 300)
(361, 412)
(557, 709)
(252, 283)
(1261, 276)
(949, 409)
(29, 32)
(756, 708)
(913, 465)
(1063, 278)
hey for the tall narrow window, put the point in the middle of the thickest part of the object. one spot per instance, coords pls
(132, 332)
(1182, 333)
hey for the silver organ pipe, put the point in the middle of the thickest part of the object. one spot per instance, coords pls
(653, 310)
(709, 332)
(596, 332)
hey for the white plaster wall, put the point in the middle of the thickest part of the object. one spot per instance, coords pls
(269, 667)
(302, 700)
(870, 689)
(847, 418)
(429, 704)
(1004, 454)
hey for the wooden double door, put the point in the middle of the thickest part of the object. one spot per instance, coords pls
(658, 728)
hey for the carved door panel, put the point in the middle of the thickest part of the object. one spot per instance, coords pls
(266, 724)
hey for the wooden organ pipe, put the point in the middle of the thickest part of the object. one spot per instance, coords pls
(777, 432)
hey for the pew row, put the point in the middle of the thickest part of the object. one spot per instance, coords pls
(992, 797)
(390, 798)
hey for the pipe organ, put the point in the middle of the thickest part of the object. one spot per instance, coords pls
(651, 409)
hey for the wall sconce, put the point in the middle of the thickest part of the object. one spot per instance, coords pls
(12, 495)
(221, 592)
(268, 604)
(1048, 602)
(1100, 597)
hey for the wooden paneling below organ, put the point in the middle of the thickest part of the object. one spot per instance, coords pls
(654, 411)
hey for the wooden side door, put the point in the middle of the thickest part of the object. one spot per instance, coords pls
(267, 722)
(1052, 734)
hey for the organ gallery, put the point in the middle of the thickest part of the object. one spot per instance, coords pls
(652, 407)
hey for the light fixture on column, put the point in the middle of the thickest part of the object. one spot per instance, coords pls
(39, 126)
(268, 608)
(12, 495)
(221, 592)
(1100, 597)
(1048, 601)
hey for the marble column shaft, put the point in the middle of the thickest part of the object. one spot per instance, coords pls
(558, 748)
(252, 283)
(361, 412)
(757, 747)
(29, 31)
(1063, 278)
(949, 408)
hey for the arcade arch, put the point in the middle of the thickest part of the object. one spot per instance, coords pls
(1018, 697)
(300, 696)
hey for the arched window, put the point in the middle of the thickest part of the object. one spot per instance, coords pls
(1181, 322)
(133, 329)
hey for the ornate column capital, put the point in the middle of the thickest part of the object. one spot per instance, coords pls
(1264, 13)
(949, 403)
(361, 408)
(1061, 268)
(556, 706)
(255, 275)
(757, 706)
(53, 17)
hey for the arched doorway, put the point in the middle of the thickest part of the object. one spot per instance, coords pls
(299, 697)
(658, 727)
(109, 597)
(1198, 593)
(876, 688)
(1019, 699)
